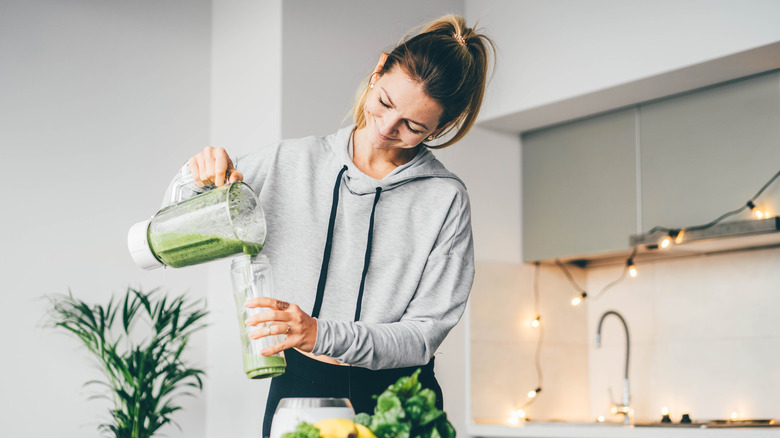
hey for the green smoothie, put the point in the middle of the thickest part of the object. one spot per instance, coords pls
(261, 367)
(184, 249)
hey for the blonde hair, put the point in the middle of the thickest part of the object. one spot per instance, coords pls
(451, 63)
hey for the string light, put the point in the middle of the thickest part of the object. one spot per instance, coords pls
(673, 236)
(676, 235)
(519, 414)
(678, 239)
(631, 267)
(759, 214)
(516, 417)
(577, 300)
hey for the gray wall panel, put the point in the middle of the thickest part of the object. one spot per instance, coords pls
(579, 187)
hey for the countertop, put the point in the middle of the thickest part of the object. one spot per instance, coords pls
(616, 430)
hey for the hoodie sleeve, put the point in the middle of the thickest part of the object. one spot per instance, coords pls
(438, 304)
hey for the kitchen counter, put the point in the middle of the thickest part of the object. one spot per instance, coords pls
(616, 430)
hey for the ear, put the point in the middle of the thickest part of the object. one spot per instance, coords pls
(379, 66)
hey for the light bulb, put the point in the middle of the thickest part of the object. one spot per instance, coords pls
(631, 267)
(666, 242)
(664, 411)
(531, 394)
(759, 214)
(516, 417)
(535, 323)
(600, 419)
(735, 415)
(579, 299)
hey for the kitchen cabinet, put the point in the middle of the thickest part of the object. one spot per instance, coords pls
(706, 153)
(579, 187)
(677, 162)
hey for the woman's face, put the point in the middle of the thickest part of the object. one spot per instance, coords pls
(398, 112)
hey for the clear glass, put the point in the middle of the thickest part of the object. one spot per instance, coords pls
(251, 277)
(216, 224)
(292, 411)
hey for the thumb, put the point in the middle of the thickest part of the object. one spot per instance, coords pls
(235, 175)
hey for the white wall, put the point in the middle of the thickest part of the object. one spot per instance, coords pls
(100, 102)
(554, 50)
(246, 53)
(703, 333)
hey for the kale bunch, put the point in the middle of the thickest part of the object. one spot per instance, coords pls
(407, 410)
(303, 430)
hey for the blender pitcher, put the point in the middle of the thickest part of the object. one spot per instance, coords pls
(251, 277)
(219, 223)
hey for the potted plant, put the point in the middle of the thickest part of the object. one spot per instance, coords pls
(144, 374)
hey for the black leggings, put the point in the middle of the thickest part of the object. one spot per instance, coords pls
(306, 377)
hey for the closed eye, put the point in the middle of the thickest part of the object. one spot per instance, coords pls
(412, 130)
(408, 126)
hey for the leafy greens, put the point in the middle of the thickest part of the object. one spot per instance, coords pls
(407, 410)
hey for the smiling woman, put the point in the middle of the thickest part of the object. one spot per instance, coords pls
(371, 287)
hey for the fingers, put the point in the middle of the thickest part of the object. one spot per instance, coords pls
(268, 316)
(271, 330)
(282, 318)
(220, 168)
(213, 166)
(233, 174)
(275, 349)
(270, 303)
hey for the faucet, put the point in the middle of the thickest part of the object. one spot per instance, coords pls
(624, 407)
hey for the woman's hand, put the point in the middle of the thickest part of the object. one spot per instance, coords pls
(285, 319)
(213, 166)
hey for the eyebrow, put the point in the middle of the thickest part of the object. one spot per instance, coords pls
(409, 120)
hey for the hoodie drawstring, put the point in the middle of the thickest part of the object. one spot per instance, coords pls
(367, 258)
(329, 245)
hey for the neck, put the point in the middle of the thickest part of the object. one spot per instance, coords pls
(375, 162)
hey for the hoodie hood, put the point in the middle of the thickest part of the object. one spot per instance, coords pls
(423, 165)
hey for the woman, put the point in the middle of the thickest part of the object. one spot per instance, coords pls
(369, 235)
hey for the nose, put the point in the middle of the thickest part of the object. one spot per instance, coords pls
(388, 125)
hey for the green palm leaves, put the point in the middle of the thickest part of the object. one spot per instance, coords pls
(144, 374)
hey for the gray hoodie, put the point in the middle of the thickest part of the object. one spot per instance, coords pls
(405, 252)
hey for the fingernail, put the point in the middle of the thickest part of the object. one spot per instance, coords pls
(266, 352)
